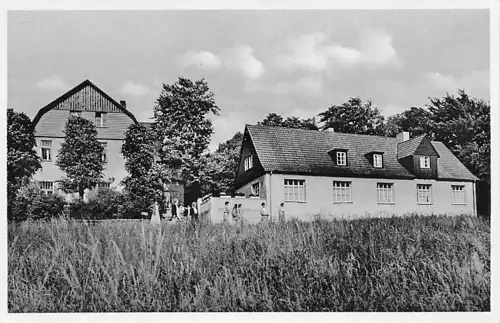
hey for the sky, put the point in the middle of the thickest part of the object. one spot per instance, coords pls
(295, 63)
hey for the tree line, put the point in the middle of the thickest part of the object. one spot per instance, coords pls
(177, 142)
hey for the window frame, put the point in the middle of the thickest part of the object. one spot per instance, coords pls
(375, 160)
(421, 190)
(461, 201)
(248, 162)
(425, 162)
(294, 190)
(104, 156)
(103, 119)
(382, 189)
(253, 190)
(345, 187)
(46, 148)
(46, 190)
(341, 156)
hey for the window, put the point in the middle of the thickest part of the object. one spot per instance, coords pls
(101, 119)
(295, 190)
(256, 189)
(103, 185)
(342, 192)
(457, 194)
(248, 162)
(385, 192)
(425, 162)
(46, 188)
(424, 194)
(104, 152)
(377, 160)
(46, 150)
(341, 158)
(75, 114)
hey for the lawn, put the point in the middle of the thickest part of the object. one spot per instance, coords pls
(394, 264)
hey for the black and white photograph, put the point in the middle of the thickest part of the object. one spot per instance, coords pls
(251, 160)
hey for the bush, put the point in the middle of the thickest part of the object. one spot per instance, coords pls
(46, 206)
(105, 203)
(29, 203)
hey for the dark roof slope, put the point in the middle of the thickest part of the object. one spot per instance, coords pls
(74, 90)
(301, 151)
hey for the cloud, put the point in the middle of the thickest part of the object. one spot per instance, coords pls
(315, 52)
(241, 59)
(475, 80)
(306, 86)
(135, 89)
(53, 83)
(203, 60)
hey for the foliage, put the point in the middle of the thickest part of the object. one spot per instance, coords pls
(275, 120)
(463, 125)
(182, 125)
(146, 179)
(222, 166)
(354, 116)
(80, 156)
(22, 160)
(417, 121)
(30, 203)
(393, 264)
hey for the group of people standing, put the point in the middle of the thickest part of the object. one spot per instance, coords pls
(183, 213)
(237, 213)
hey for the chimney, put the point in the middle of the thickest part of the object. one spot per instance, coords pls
(403, 136)
(123, 104)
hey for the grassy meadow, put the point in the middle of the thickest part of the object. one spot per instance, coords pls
(393, 264)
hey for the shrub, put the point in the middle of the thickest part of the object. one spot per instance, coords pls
(46, 206)
(105, 203)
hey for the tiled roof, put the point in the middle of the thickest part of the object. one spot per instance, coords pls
(301, 151)
(407, 148)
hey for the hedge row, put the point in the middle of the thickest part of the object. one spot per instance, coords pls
(106, 203)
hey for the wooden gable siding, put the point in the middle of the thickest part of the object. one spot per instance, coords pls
(87, 99)
(431, 172)
(243, 177)
(54, 121)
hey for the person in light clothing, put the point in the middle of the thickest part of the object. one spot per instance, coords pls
(264, 213)
(225, 215)
(281, 212)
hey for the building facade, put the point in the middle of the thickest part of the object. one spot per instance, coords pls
(112, 120)
(348, 175)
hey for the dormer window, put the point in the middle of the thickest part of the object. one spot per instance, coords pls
(377, 160)
(248, 162)
(425, 162)
(341, 158)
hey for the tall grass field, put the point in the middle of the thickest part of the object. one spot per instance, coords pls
(409, 263)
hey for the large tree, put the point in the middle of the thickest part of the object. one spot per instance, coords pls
(354, 116)
(182, 124)
(463, 125)
(146, 174)
(22, 160)
(276, 120)
(222, 166)
(416, 120)
(80, 156)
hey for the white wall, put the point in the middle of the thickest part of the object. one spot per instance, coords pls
(319, 198)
